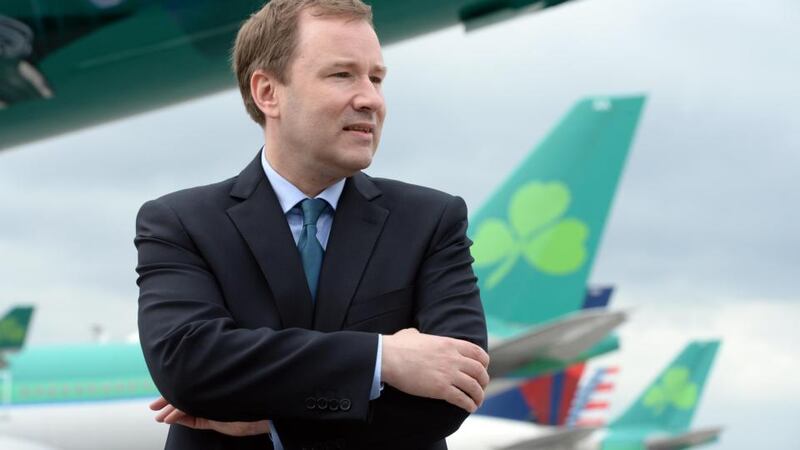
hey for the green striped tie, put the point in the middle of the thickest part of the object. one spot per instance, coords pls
(311, 251)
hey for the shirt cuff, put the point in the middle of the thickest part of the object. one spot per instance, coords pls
(377, 386)
(273, 434)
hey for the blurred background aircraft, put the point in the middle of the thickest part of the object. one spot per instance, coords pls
(659, 419)
(49, 394)
(700, 241)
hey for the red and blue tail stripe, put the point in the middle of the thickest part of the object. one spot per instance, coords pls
(591, 405)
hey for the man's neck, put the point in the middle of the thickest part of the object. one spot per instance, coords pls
(309, 181)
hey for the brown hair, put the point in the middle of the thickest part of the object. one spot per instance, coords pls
(268, 38)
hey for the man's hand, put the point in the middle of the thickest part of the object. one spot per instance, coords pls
(436, 367)
(170, 415)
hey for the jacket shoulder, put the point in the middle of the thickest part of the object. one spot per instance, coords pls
(204, 197)
(413, 195)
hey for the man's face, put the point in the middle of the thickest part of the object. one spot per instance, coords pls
(332, 108)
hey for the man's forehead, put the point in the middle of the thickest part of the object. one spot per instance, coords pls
(338, 38)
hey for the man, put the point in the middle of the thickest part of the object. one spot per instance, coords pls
(303, 298)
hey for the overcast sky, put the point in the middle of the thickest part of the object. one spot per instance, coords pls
(702, 240)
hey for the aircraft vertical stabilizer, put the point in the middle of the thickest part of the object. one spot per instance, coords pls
(14, 328)
(536, 238)
(670, 401)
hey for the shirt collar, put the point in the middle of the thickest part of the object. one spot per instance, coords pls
(288, 194)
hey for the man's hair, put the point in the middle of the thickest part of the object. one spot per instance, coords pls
(267, 40)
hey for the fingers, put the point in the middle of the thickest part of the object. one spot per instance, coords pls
(167, 410)
(470, 386)
(475, 370)
(170, 415)
(158, 404)
(239, 428)
(174, 417)
(197, 423)
(457, 397)
(472, 351)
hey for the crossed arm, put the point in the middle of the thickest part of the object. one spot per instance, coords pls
(194, 347)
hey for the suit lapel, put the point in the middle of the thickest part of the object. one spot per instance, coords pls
(357, 225)
(261, 222)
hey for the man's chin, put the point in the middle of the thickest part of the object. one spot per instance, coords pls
(351, 166)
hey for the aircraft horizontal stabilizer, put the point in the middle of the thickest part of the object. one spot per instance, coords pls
(688, 439)
(559, 439)
(561, 340)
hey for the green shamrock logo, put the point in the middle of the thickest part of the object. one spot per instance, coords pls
(674, 389)
(11, 330)
(536, 231)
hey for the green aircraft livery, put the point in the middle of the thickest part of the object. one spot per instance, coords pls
(65, 65)
(536, 238)
(667, 406)
(14, 328)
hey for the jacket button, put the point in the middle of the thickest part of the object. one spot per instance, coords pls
(344, 404)
(311, 403)
(322, 403)
(333, 404)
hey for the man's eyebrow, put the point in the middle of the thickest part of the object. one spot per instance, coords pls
(380, 68)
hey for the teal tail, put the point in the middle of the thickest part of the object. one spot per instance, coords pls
(14, 328)
(536, 238)
(669, 403)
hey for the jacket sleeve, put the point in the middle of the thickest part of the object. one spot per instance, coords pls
(204, 364)
(447, 304)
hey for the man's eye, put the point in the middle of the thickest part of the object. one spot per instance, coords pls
(341, 75)
(376, 80)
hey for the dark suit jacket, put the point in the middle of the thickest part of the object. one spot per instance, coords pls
(229, 331)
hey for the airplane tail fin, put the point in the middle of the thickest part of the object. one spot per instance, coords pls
(14, 328)
(670, 401)
(536, 237)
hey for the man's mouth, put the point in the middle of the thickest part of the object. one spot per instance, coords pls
(360, 128)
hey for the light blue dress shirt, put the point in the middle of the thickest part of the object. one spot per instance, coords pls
(288, 197)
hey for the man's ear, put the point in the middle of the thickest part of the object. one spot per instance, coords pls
(263, 90)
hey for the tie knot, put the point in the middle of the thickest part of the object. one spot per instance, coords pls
(312, 208)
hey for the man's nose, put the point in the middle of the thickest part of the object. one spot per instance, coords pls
(368, 97)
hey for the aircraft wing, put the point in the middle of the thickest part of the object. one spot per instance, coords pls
(19, 444)
(63, 64)
(557, 439)
(685, 440)
(561, 340)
